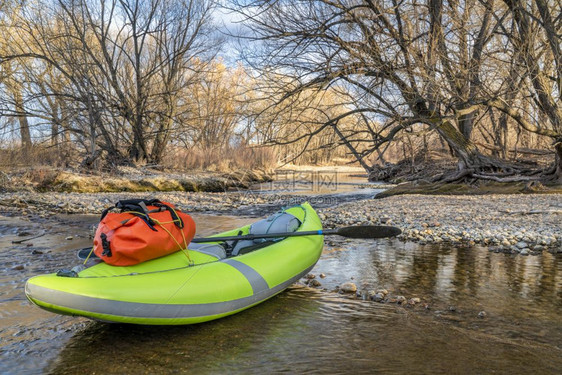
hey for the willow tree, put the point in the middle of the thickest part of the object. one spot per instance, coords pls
(405, 64)
(537, 49)
(315, 125)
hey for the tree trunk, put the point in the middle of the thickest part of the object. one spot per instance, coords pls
(466, 123)
(160, 142)
(163, 133)
(558, 161)
(54, 134)
(15, 89)
(25, 133)
(138, 151)
(464, 149)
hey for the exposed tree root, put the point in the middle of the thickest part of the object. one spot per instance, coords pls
(506, 179)
(458, 176)
(485, 168)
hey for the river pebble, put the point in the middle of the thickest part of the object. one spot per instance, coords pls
(348, 287)
(514, 224)
(522, 245)
(46, 204)
(314, 283)
(400, 299)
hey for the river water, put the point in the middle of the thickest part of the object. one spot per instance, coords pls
(480, 312)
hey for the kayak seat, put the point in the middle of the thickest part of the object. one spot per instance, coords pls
(277, 223)
(212, 249)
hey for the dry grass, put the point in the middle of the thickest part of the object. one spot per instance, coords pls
(221, 160)
(43, 179)
(12, 157)
(181, 159)
(49, 169)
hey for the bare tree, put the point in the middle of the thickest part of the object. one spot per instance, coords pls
(404, 64)
(127, 64)
(537, 49)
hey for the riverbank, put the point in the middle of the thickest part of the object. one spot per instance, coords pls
(127, 179)
(515, 224)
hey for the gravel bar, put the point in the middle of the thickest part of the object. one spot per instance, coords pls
(517, 224)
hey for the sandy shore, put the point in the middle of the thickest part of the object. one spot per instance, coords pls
(523, 224)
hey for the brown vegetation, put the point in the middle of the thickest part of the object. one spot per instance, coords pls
(43, 179)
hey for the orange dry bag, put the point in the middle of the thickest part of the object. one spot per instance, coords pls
(143, 230)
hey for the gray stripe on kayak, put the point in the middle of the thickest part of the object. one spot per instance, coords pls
(151, 310)
(256, 280)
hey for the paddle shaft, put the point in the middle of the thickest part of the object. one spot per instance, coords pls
(359, 231)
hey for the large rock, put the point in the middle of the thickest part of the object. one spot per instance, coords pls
(348, 287)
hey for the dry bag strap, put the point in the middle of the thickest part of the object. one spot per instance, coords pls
(138, 207)
(177, 220)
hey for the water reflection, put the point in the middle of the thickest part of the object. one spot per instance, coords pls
(519, 294)
(446, 273)
(316, 182)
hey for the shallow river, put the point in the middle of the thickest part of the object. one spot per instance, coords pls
(304, 330)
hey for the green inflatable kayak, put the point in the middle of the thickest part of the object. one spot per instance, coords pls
(168, 290)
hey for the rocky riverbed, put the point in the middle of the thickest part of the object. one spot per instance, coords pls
(517, 224)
